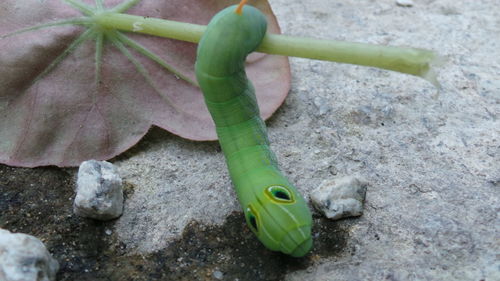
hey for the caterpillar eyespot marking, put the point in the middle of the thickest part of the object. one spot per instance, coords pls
(280, 194)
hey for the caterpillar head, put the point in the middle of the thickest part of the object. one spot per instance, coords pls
(281, 220)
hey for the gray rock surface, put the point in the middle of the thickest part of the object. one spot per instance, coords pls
(340, 197)
(432, 161)
(99, 191)
(24, 258)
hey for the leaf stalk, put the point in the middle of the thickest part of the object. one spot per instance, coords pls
(418, 62)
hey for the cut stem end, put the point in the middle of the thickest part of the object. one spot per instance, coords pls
(239, 9)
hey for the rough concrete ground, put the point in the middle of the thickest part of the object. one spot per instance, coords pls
(432, 164)
(432, 161)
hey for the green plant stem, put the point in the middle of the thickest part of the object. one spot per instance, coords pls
(418, 62)
(153, 26)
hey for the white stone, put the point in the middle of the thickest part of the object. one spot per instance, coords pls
(99, 193)
(340, 198)
(218, 275)
(23, 257)
(404, 3)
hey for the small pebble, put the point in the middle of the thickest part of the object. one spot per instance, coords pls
(340, 197)
(24, 257)
(404, 3)
(218, 275)
(99, 191)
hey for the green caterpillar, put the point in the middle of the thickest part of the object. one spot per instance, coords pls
(273, 208)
